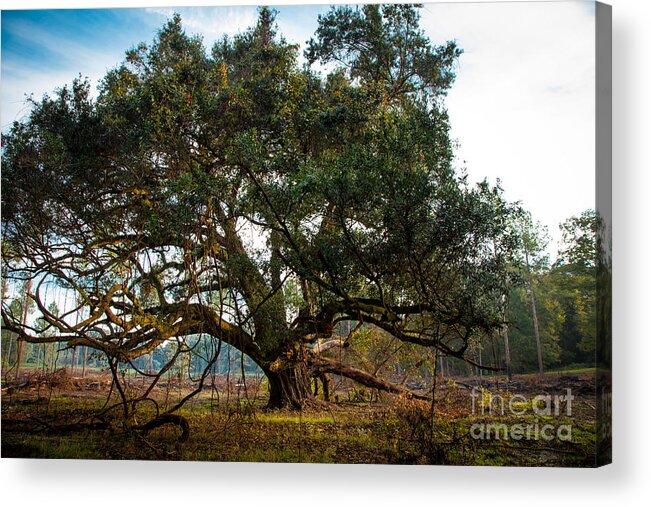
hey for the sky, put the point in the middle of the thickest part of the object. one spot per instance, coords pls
(521, 108)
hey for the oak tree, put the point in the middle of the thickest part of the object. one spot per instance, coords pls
(239, 195)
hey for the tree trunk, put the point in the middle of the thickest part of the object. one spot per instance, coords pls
(289, 387)
(534, 311)
(83, 367)
(326, 386)
(73, 366)
(507, 352)
(19, 359)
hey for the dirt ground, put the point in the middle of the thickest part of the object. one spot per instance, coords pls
(531, 421)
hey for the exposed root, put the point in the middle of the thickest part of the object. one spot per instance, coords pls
(161, 420)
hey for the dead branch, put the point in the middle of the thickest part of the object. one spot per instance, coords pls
(322, 365)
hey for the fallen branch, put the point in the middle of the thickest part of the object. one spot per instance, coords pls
(322, 365)
(97, 424)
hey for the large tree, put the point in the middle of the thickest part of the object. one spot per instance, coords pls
(240, 196)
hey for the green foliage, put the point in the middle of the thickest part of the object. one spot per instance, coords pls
(521, 331)
(383, 46)
(579, 248)
(566, 294)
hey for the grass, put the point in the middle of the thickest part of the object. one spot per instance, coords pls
(578, 370)
(393, 431)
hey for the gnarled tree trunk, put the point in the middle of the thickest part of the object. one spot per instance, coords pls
(289, 385)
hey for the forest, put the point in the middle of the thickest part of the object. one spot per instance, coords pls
(244, 253)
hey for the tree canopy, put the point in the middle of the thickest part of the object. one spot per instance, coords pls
(237, 194)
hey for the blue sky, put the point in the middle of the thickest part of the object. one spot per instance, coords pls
(43, 49)
(522, 107)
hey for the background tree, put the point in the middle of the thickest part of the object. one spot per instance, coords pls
(238, 196)
(576, 278)
(533, 246)
(566, 297)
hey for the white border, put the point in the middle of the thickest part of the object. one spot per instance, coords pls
(70, 483)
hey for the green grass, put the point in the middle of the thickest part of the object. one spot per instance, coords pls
(397, 432)
(579, 370)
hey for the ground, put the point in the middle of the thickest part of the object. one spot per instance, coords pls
(473, 422)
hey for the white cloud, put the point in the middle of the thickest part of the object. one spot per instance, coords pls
(522, 106)
(211, 23)
(17, 83)
(66, 59)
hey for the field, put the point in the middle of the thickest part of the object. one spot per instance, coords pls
(472, 422)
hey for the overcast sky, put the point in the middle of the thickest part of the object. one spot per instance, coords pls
(521, 109)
